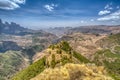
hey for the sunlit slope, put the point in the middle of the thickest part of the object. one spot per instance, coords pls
(74, 72)
(55, 56)
(109, 56)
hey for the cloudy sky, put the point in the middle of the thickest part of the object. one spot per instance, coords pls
(57, 13)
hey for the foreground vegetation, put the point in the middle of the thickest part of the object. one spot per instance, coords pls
(74, 72)
(57, 55)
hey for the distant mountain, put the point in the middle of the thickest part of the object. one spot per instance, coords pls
(13, 29)
(95, 29)
(58, 31)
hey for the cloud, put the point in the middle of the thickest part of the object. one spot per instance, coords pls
(82, 21)
(118, 7)
(92, 20)
(107, 9)
(108, 6)
(19, 1)
(103, 12)
(113, 16)
(50, 7)
(11, 4)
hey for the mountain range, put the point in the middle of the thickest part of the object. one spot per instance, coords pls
(66, 53)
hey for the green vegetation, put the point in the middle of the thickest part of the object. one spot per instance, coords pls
(115, 38)
(53, 63)
(110, 60)
(80, 57)
(65, 46)
(58, 55)
(31, 71)
(10, 63)
(110, 41)
(74, 72)
(117, 49)
(31, 51)
(65, 60)
(13, 61)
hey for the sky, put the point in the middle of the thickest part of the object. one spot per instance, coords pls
(37, 14)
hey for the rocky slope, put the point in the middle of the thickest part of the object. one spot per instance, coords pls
(103, 50)
(84, 43)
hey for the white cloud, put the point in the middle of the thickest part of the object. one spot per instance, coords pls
(92, 20)
(112, 16)
(54, 5)
(11, 4)
(82, 21)
(103, 12)
(19, 1)
(118, 7)
(50, 7)
(108, 6)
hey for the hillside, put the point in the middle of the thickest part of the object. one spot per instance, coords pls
(14, 61)
(14, 58)
(9, 45)
(110, 60)
(18, 45)
(55, 56)
(11, 62)
(74, 72)
(84, 43)
(109, 56)
(102, 50)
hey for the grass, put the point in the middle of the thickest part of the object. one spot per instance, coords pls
(111, 62)
(117, 49)
(80, 57)
(31, 71)
(9, 62)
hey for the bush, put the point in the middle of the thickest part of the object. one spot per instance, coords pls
(80, 57)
